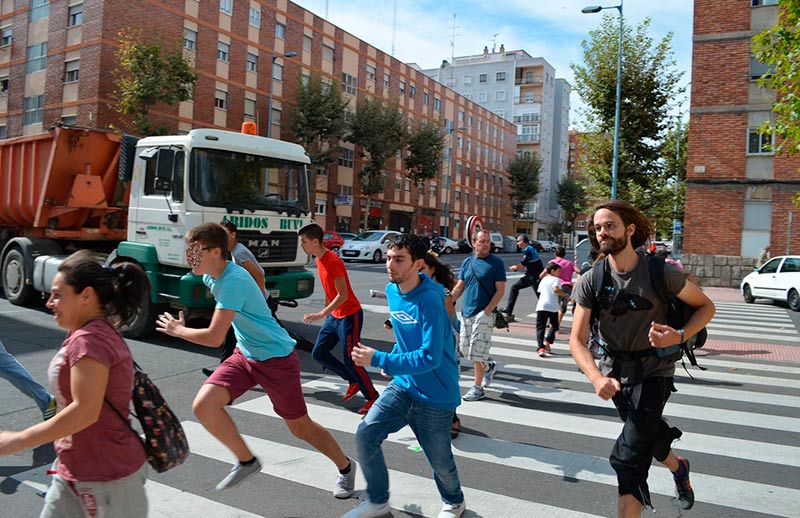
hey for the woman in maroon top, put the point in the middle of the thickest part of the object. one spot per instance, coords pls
(101, 467)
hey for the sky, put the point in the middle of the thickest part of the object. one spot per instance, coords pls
(552, 29)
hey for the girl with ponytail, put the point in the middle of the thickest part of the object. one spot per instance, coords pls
(101, 466)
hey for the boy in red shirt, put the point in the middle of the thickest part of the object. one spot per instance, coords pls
(343, 318)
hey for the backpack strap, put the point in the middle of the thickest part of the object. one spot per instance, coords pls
(597, 278)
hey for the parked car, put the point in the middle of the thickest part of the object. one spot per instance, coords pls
(464, 247)
(510, 244)
(497, 242)
(368, 246)
(537, 245)
(582, 252)
(548, 246)
(448, 245)
(777, 279)
(332, 240)
(347, 236)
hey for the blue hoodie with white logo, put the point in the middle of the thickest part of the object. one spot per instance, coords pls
(423, 361)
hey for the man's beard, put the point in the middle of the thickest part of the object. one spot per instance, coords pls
(611, 246)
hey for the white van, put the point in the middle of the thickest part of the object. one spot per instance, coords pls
(497, 241)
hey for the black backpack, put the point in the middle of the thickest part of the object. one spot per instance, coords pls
(678, 312)
(164, 440)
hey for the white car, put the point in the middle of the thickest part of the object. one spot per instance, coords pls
(497, 242)
(368, 246)
(548, 246)
(777, 279)
(448, 245)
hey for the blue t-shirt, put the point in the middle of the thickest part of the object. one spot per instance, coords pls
(531, 261)
(489, 270)
(258, 335)
(423, 360)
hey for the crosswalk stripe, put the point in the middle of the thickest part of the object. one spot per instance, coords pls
(717, 490)
(305, 466)
(599, 428)
(706, 360)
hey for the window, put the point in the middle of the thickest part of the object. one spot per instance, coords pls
(500, 95)
(483, 78)
(327, 53)
(226, 6)
(277, 72)
(371, 72)
(250, 107)
(252, 62)
(758, 143)
(4, 85)
(501, 113)
(425, 97)
(482, 97)
(223, 51)
(437, 103)
(280, 30)
(189, 39)
(221, 100)
(412, 91)
(34, 109)
(386, 79)
(468, 96)
(3, 132)
(500, 76)
(37, 58)
(75, 15)
(308, 42)
(39, 9)
(255, 17)
(402, 87)
(467, 80)
(434, 191)
(346, 157)
(408, 185)
(759, 69)
(349, 84)
(398, 183)
(344, 190)
(320, 207)
(72, 70)
(758, 3)
(5, 36)
(458, 195)
(450, 81)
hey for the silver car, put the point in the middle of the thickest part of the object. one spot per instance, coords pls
(368, 246)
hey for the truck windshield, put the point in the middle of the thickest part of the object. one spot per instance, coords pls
(239, 182)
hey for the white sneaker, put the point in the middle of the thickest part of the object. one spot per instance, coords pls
(488, 374)
(367, 509)
(346, 483)
(453, 510)
(474, 394)
(238, 474)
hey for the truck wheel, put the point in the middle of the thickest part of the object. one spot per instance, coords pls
(14, 287)
(144, 323)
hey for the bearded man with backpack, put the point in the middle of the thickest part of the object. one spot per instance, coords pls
(637, 370)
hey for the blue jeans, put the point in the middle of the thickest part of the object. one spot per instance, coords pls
(14, 372)
(431, 426)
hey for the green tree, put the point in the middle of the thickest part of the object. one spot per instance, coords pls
(317, 120)
(571, 197)
(148, 74)
(424, 156)
(523, 173)
(377, 128)
(779, 48)
(674, 162)
(649, 82)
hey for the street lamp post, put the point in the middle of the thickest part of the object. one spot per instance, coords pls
(271, 79)
(615, 159)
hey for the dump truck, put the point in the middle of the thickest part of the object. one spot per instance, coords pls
(131, 199)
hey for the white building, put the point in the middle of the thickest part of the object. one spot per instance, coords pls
(522, 89)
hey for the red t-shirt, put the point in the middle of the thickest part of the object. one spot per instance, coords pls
(108, 449)
(330, 266)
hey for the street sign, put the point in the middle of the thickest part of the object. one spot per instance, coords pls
(677, 227)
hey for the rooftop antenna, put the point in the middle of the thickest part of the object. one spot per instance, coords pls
(494, 41)
(394, 25)
(453, 35)
(326, 9)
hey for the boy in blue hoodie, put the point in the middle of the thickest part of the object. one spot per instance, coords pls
(424, 391)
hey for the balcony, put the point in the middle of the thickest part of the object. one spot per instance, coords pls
(528, 99)
(528, 80)
(534, 139)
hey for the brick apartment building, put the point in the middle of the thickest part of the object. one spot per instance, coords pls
(57, 64)
(737, 191)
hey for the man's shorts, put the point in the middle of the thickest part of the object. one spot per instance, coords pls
(564, 300)
(279, 377)
(475, 338)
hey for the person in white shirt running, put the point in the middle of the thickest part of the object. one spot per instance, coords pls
(547, 308)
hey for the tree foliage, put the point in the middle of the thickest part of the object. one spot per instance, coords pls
(523, 173)
(424, 156)
(571, 197)
(779, 48)
(317, 120)
(649, 82)
(377, 128)
(148, 74)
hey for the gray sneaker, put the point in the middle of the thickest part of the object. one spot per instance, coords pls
(453, 510)
(238, 473)
(474, 394)
(488, 374)
(345, 484)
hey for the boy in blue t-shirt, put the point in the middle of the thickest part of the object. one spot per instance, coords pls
(264, 356)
